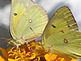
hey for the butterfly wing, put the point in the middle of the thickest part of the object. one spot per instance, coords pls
(26, 3)
(61, 34)
(27, 23)
(37, 21)
(18, 9)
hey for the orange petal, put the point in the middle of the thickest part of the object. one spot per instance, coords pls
(31, 55)
(1, 58)
(50, 57)
(12, 60)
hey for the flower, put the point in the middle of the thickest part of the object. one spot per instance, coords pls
(54, 57)
(32, 51)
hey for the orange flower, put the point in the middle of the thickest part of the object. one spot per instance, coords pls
(24, 52)
(32, 52)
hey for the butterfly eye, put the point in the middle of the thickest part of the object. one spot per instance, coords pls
(15, 14)
(53, 26)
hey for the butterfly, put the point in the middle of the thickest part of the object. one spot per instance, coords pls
(28, 21)
(61, 35)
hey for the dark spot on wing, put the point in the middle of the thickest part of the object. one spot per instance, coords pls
(68, 25)
(53, 26)
(65, 40)
(31, 28)
(15, 14)
(62, 31)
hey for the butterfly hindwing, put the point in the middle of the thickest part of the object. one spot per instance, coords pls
(33, 24)
(62, 35)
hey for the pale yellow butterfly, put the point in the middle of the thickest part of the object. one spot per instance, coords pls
(28, 21)
(61, 35)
